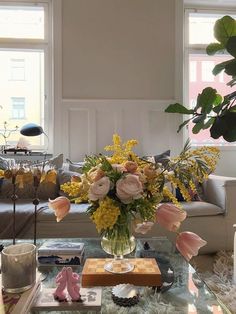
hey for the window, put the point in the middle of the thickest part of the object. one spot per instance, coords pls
(199, 33)
(17, 69)
(18, 107)
(26, 64)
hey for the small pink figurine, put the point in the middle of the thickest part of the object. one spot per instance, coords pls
(72, 285)
(61, 280)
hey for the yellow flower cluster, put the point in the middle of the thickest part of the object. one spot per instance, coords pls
(106, 214)
(71, 188)
(177, 183)
(1, 173)
(121, 152)
(167, 193)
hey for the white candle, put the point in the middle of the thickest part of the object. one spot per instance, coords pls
(234, 274)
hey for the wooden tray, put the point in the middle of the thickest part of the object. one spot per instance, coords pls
(146, 273)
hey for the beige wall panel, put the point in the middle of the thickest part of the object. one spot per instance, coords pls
(118, 49)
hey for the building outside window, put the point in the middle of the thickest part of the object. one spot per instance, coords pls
(198, 65)
(17, 69)
(18, 107)
(25, 62)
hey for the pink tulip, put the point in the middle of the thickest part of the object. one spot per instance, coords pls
(61, 206)
(170, 216)
(188, 243)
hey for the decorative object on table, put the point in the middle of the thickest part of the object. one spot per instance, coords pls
(91, 301)
(61, 281)
(67, 279)
(6, 132)
(124, 193)
(125, 295)
(18, 267)
(60, 253)
(145, 273)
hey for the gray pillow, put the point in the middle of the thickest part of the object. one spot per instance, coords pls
(75, 166)
(54, 162)
(5, 162)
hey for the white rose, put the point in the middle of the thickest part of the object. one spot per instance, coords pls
(99, 189)
(129, 188)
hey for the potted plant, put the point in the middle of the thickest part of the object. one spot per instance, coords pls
(213, 111)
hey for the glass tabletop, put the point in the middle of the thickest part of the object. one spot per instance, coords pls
(187, 295)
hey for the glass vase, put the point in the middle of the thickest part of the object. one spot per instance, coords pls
(119, 242)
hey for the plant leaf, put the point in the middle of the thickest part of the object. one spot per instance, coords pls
(197, 127)
(183, 124)
(178, 108)
(231, 46)
(206, 99)
(230, 68)
(220, 67)
(208, 123)
(212, 48)
(224, 28)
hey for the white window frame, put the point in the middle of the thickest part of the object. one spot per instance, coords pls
(46, 45)
(189, 6)
(14, 102)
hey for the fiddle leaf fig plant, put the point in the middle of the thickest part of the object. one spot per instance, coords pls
(213, 110)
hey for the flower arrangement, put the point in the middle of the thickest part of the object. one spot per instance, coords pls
(125, 190)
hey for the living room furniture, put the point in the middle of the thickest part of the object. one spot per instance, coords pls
(212, 219)
(187, 292)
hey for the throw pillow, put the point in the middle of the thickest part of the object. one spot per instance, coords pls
(75, 166)
(54, 162)
(5, 162)
(162, 158)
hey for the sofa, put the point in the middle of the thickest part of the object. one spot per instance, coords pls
(212, 218)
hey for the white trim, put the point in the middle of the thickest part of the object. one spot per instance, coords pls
(46, 46)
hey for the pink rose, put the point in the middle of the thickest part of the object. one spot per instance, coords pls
(131, 166)
(144, 227)
(129, 188)
(188, 243)
(61, 206)
(99, 189)
(119, 168)
(169, 216)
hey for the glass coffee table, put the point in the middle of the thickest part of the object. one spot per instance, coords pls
(188, 294)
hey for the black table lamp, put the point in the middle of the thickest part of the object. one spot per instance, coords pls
(32, 129)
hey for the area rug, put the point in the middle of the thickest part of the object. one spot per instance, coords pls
(220, 280)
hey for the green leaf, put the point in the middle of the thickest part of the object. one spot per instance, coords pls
(218, 127)
(230, 133)
(197, 127)
(232, 82)
(218, 100)
(199, 118)
(178, 108)
(220, 67)
(230, 68)
(206, 99)
(231, 46)
(183, 124)
(224, 28)
(208, 123)
(212, 48)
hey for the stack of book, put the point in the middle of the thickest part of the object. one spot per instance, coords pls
(60, 253)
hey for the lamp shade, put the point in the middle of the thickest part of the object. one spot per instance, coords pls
(31, 129)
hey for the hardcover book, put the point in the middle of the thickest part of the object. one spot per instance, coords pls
(18, 303)
(90, 300)
(60, 248)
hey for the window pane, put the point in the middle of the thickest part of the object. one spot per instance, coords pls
(196, 87)
(22, 101)
(22, 22)
(201, 27)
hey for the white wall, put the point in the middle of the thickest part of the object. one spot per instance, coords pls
(117, 66)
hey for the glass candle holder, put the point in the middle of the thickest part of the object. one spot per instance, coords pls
(18, 267)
